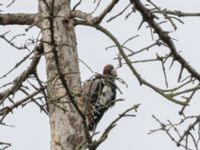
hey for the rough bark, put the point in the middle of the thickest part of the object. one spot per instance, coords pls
(63, 74)
(17, 19)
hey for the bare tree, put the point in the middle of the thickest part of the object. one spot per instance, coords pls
(60, 95)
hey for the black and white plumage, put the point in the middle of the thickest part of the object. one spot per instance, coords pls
(101, 96)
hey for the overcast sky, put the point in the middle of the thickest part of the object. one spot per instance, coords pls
(32, 127)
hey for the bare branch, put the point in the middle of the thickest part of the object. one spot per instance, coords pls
(164, 14)
(120, 13)
(98, 19)
(18, 81)
(179, 13)
(12, 43)
(8, 109)
(12, 2)
(76, 5)
(97, 6)
(184, 139)
(89, 68)
(106, 11)
(83, 15)
(112, 125)
(187, 131)
(17, 19)
(148, 16)
(16, 65)
(5, 145)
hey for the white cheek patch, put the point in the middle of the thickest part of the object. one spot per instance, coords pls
(114, 72)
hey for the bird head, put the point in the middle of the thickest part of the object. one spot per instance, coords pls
(109, 70)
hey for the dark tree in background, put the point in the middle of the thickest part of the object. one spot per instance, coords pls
(60, 96)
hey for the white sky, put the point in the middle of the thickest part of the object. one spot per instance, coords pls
(32, 128)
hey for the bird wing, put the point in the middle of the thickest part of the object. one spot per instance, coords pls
(106, 95)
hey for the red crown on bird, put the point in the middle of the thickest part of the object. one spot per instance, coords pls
(110, 70)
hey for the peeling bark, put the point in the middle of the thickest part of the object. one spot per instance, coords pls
(63, 74)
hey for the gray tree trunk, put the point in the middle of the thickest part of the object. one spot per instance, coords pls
(62, 66)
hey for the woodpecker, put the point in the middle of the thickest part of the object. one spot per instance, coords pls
(101, 95)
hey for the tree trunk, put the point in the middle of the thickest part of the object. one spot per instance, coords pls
(63, 75)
